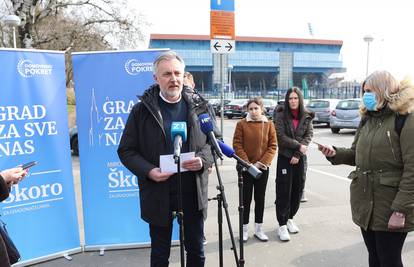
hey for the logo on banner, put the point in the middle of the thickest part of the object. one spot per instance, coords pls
(27, 68)
(121, 183)
(25, 199)
(134, 67)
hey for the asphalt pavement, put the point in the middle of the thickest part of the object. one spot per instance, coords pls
(327, 236)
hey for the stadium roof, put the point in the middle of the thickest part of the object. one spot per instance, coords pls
(247, 39)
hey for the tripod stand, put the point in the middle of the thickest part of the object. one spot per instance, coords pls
(222, 202)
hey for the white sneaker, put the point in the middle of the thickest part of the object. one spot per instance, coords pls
(259, 234)
(292, 227)
(283, 233)
(303, 198)
(204, 240)
(245, 232)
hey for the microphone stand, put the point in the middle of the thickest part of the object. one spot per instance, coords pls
(180, 213)
(222, 202)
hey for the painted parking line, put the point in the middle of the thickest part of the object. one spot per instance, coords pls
(330, 175)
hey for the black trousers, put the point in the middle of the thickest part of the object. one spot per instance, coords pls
(193, 235)
(289, 186)
(384, 248)
(251, 184)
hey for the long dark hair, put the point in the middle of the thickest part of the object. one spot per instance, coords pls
(287, 111)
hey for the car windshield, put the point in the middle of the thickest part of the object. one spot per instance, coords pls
(318, 104)
(269, 102)
(348, 104)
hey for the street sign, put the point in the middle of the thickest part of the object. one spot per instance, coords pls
(222, 25)
(218, 46)
(223, 5)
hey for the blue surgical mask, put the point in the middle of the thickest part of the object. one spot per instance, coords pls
(370, 101)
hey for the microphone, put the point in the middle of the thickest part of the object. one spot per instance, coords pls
(178, 135)
(229, 152)
(207, 127)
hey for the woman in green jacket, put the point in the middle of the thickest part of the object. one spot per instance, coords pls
(382, 187)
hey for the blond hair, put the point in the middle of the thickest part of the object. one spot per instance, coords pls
(384, 85)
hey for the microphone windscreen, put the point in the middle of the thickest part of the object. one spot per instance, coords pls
(226, 149)
(179, 128)
(206, 124)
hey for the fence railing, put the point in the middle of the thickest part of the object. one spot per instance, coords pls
(342, 92)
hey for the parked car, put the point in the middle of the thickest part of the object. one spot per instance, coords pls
(322, 109)
(216, 103)
(269, 106)
(235, 108)
(73, 137)
(345, 115)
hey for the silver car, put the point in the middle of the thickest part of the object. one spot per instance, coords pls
(345, 115)
(322, 109)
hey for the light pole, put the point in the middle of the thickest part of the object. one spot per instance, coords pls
(12, 21)
(368, 39)
(230, 67)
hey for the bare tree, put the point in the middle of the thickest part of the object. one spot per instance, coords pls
(73, 25)
(106, 20)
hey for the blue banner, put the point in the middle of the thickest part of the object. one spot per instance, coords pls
(106, 86)
(41, 211)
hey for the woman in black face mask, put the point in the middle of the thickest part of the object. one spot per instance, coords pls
(382, 188)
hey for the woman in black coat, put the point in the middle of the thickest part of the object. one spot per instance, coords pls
(294, 133)
(7, 179)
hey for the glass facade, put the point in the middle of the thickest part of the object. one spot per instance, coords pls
(316, 60)
(259, 64)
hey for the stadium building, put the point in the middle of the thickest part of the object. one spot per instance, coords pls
(259, 66)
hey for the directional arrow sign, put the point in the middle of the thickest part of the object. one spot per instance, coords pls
(219, 46)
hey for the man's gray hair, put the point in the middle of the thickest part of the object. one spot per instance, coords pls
(168, 55)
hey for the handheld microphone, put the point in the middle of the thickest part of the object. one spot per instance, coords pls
(178, 135)
(207, 127)
(229, 152)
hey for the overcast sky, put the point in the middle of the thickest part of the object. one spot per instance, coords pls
(389, 22)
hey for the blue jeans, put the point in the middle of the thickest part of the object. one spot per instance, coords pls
(193, 236)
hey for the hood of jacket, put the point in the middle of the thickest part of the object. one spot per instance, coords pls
(403, 100)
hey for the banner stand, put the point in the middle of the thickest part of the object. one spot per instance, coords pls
(107, 84)
(41, 211)
(64, 254)
(102, 248)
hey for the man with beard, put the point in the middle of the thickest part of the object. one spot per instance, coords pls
(147, 136)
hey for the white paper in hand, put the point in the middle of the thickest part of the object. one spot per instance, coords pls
(167, 162)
